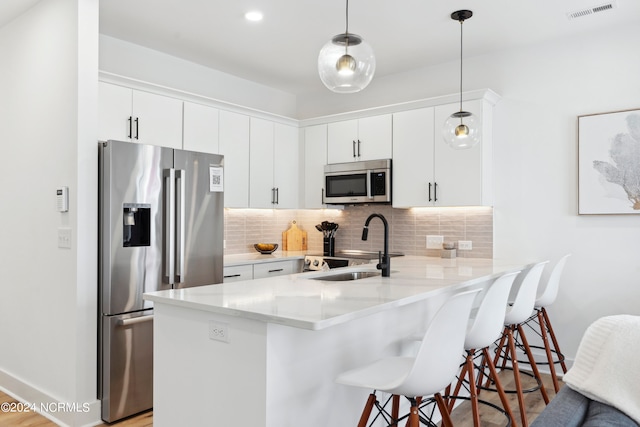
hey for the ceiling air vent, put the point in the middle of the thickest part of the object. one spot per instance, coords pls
(592, 10)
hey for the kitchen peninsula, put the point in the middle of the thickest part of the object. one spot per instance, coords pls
(265, 352)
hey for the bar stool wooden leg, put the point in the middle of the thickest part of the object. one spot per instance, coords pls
(450, 399)
(395, 410)
(496, 380)
(414, 415)
(473, 391)
(442, 407)
(554, 340)
(516, 375)
(547, 349)
(366, 412)
(532, 362)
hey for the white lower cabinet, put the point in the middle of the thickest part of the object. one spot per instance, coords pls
(427, 172)
(272, 269)
(236, 273)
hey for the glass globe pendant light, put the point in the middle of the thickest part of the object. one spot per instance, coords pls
(346, 63)
(462, 129)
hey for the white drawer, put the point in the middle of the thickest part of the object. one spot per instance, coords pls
(237, 272)
(271, 269)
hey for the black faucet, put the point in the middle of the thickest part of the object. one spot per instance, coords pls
(384, 262)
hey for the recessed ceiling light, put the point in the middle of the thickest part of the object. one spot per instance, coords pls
(253, 16)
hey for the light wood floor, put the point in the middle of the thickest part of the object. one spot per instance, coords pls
(33, 419)
(461, 415)
(489, 417)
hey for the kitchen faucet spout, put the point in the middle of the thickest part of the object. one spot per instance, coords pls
(384, 261)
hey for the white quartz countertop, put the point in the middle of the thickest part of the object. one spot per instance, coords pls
(299, 301)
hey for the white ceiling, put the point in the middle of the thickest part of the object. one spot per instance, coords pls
(281, 51)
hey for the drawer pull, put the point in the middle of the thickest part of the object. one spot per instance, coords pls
(231, 275)
(135, 320)
(276, 270)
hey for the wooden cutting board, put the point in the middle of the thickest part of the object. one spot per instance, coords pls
(294, 239)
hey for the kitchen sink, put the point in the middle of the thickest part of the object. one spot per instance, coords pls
(353, 275)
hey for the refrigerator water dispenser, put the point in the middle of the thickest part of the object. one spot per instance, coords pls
(136, 224)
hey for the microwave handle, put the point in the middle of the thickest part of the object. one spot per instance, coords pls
(369, 195)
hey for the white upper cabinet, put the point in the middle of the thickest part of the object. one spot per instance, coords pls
(261, 190)
(427, 172)
(131, 115)
(413, 157)
(368, 138)
(286, 173)
(234, 146)
(315, 157)
(200, 128)
(274, 164)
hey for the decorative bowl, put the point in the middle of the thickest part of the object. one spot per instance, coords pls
(266, 248)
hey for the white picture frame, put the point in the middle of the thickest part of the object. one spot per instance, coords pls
(609, 163)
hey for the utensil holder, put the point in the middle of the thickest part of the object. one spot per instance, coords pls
(329, 246)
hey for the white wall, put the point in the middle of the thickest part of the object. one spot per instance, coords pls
(48, 83)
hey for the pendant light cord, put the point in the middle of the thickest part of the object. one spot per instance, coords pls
(461, 22)
(346, 31)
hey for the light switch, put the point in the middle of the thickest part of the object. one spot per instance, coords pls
(64, 238)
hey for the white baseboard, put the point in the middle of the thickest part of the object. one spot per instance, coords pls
(64, 414)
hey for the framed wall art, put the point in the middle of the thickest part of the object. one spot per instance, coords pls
(609, 163)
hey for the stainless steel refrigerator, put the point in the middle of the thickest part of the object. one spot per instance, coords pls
(160, 227)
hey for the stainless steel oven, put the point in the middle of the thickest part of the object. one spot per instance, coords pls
(357, 182)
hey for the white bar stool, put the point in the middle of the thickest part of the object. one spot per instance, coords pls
(430, 371)
(540, 318)
(484, 329)
(519, 311)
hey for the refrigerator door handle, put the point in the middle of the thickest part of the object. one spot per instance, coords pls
(170, 221)
(180, 221)
(135, 320)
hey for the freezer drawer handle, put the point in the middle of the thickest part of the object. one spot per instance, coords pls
(135, 320)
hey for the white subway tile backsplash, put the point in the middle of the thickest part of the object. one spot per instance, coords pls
(408, 228)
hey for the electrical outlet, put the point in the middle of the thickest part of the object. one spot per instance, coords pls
(218, 331)
(434, 242)
(465, 245)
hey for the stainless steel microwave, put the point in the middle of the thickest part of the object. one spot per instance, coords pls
(357, 182)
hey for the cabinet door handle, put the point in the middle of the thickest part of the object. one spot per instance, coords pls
(137, 128)
(358, 148)
(277, 195)
(354, 148)
(130, 120)
(435, 191)
(429, 191)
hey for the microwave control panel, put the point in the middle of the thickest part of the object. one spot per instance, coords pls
(378, 183)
